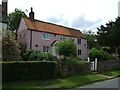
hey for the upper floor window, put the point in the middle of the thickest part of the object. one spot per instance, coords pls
(79, 40)
(46, 36)
(45, 48)
(62, 37)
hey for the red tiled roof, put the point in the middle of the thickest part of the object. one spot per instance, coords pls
(52, 28)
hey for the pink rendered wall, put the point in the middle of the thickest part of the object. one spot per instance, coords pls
(37, 40)
(23, 34)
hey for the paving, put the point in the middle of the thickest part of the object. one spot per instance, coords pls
(105, 76)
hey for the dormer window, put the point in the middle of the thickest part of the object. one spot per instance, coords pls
(46, 36)
(62, 37)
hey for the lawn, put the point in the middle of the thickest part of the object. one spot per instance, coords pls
(69, 82)
(112, 73)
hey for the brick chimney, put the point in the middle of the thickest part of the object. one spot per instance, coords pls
(4, 11)
(31, 14)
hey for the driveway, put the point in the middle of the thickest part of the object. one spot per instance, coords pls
(113, 83)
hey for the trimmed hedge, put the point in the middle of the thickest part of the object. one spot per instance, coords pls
(12, 71)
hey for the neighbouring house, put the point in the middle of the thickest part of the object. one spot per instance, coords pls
(43, 36)
(3, 15)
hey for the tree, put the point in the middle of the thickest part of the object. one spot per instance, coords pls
(91, 39)
(66, 48)
(10, 48)
(109, 34)
(14, 19)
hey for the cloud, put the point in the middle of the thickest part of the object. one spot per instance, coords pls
(79, 22)
(54, 19)
(60, 19)
(82, 23)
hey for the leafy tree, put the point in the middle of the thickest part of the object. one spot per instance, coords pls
(66, 48)
(10, 48)
(91, 39)
(109, 34)
(14, 19)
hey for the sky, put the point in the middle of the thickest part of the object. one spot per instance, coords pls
(78, 14)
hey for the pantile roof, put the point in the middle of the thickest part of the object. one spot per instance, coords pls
(52, 28)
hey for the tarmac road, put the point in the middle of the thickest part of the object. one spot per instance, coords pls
(113, 83)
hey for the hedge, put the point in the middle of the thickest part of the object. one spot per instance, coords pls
(13, 71)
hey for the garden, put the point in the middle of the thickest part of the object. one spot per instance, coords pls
(38, 70)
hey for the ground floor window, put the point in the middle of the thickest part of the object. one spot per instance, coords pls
(46, 48)
(79, 52)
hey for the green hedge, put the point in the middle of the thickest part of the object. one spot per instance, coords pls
(12, 71)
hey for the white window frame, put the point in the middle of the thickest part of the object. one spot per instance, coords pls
(79, 52)
(62, 37)
(79, 40)
(45, 49)
(46, 36)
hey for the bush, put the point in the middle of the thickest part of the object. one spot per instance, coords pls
(13, 71)
(10, 47)
(66, 48)
(36, 55)
(22, 49)
(72, 65)
(100, 55)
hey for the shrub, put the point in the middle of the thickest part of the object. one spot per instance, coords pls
(13, 71)
(10, 47)
(66, 48)
(22, 49)
(36, 55)
(100, 55)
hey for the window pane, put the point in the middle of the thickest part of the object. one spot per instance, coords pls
(62, 37)
(45, 48)
(79, 52)
(79, 41)
(46, 35)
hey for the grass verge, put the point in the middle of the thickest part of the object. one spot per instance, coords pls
(112, 73)
(69, 82)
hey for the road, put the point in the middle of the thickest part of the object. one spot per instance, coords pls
(113, 83)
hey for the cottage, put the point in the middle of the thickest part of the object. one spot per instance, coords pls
(43, 36)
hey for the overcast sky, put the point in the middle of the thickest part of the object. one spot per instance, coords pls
(79, 14)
